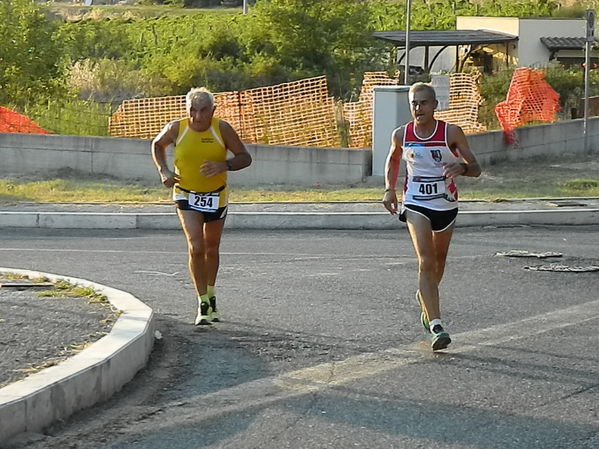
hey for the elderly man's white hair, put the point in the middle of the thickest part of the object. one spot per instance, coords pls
(199, 96)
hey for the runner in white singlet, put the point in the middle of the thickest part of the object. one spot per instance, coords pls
(435, 154)
(426, 157)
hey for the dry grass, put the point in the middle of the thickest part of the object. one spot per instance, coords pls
(566, 176)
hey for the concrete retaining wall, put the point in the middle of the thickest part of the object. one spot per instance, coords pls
(130, 158)
(533, 141)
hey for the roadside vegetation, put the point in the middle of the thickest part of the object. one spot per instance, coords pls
(567, 176)
(68, 67)
(64, 289)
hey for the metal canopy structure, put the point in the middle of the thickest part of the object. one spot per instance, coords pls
(555, 44)
(563, 43)
(444, 39)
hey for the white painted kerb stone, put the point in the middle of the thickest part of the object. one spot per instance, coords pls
(91, 376)
(292, 220)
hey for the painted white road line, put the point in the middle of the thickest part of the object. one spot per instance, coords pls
(366, 365)
(75, 250)
(270, 390)
(289, 257)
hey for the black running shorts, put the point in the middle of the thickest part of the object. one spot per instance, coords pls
(218, 214)
(440, 219)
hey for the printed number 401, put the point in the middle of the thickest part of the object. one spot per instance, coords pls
(428, 189)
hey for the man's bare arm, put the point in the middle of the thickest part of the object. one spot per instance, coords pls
(160, 143)
(390, 200)
(456, 139)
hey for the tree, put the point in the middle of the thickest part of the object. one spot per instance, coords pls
(312, 37)
(29, 56)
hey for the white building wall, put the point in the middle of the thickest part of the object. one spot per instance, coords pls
(529, 50)
(509, 25)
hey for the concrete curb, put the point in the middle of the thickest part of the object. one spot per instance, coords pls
(91, 376)
(384, 221)
(290, 220)
(529, 217)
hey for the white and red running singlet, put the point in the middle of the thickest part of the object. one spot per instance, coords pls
(425, 158)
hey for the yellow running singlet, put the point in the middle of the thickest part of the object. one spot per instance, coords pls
(192, 149)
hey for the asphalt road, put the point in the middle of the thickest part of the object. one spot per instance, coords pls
(321, 346)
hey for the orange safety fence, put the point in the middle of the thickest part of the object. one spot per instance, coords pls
(13, 122)
(529, 98)
(358, 114)
(464, 102)
(296, 113)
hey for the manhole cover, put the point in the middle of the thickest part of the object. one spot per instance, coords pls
(26, 285)
(523, 253)
(563, 268)
(566, 203)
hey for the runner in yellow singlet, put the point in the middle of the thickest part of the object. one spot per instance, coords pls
(200, 191)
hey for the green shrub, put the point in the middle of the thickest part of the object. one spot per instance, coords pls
(106, 61)
(72, 116)
(493, 90)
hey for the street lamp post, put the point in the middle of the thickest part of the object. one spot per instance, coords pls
(590, 40)
(406, 77)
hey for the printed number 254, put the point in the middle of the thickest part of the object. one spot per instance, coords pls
(203, 201)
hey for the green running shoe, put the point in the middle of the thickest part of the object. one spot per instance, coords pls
(423, 318)
(214, 315)
(425, 323)
(440, 338)
(204, 313)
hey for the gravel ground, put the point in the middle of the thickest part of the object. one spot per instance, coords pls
(37, 332)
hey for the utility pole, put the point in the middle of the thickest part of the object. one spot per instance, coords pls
(590, 40)
(406, 78)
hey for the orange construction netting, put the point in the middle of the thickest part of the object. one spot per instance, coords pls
(358, 114)
(464, 102)
(13, 122)
(299, 113)
(529, 98)
(296, 113)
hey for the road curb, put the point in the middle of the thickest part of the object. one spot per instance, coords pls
(290, 220)
(89, 377)
(529, 217)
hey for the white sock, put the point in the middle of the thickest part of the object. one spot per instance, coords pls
(435, 322)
